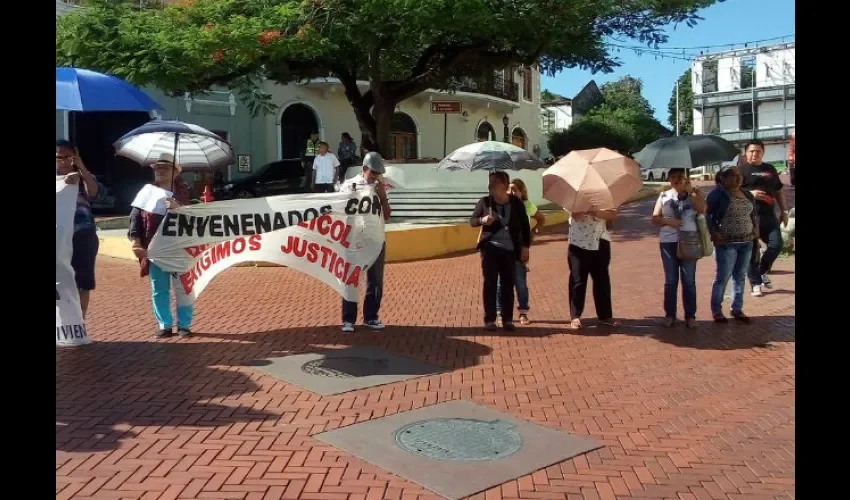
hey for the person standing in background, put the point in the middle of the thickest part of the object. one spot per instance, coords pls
(762, 181)
(325, 170)
(310, 150)
(346, 152)
(85, 242)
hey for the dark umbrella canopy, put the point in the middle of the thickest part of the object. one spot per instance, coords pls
(686, 151)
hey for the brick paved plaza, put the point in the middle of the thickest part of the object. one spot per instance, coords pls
(704, 414)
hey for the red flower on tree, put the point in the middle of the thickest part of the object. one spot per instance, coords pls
(218, 55)
(267, 37)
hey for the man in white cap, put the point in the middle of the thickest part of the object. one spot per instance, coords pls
(373, 168)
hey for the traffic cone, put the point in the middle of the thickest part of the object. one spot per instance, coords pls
(207, 197)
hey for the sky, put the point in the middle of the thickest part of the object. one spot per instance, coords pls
(730, 23)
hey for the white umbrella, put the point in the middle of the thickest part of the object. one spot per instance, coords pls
(193, 146)
(490, 155)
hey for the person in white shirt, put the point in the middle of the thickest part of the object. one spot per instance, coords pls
(325, 170)
(589, 253)
(373, 168)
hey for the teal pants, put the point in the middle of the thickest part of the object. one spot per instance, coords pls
(161, 299)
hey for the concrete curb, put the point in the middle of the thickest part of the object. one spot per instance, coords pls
(402, 246)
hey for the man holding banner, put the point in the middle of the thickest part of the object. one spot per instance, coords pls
(373, 168)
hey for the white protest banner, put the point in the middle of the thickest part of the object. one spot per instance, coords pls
(334, 237)
(70, 328)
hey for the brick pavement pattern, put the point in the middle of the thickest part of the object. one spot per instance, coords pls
(686, 415)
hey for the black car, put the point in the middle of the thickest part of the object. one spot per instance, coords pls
(279, 177)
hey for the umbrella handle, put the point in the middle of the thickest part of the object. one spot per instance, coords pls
(174, 163)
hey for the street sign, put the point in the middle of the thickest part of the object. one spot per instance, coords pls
(446, 107)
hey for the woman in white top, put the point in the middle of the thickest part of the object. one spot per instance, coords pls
(589, 253)
(676, 210)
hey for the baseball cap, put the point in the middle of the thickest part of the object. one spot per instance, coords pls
(374, 162)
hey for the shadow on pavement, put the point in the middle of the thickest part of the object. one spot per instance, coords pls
(110, 391)
(762, 332)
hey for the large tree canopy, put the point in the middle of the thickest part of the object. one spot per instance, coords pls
(401, 47)
(623, 121)
(686, 105)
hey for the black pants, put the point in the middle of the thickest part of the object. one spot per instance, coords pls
(324, 188)
(594, 263)
(498, 264)
(769, 233)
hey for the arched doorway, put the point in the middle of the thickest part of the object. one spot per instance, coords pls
(518, 138)
(402, 137)
(296, 123)
(485, 132)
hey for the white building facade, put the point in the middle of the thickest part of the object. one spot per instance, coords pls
(747, 94)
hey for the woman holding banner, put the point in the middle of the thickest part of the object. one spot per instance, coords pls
(149, 208)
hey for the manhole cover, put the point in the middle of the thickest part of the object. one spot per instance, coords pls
(460, 439)
(345, 367)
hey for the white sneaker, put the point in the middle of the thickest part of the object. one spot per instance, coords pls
(765, 281)
(375, 324)
(757, 291)
(347, 327)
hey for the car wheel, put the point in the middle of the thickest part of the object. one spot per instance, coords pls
(244, 193)
(651, 177)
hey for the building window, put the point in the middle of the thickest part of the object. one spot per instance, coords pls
(746, 118)
(527, 84)
(402, 138)
(748, 72)
(709, 76)
(485, 132)
(710, 121)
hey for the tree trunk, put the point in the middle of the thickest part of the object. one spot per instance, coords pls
(382, 113)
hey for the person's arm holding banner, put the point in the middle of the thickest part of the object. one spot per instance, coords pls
(381, 191)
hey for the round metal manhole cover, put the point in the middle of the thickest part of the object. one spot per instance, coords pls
(460, 439)
(345, 367)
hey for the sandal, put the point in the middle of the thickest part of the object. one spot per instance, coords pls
(523, 320)
(609, 322)
(720, 318)
(669, 322)
(690, 322)
(575, 324)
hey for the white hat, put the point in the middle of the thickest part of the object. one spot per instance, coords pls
(167, 158)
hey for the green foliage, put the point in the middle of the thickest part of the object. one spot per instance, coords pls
(401, 47)
(686, 105)
(623, 122)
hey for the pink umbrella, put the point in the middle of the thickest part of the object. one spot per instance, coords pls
(597, 179)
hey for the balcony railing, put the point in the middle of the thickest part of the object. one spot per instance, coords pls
(766, 134)
(495, 86)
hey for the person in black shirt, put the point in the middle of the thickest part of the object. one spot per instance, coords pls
(762, 180)
(504, 239)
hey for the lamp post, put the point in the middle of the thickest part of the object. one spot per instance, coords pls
(505, 128)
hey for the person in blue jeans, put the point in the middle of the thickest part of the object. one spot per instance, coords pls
(675, 211)
(733, 221)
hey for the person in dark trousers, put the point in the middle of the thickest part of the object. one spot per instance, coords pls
(310, 150)
(504, 239)
(762, 181)
(85, 242)
(373, 168)
(589, 254)
(347, 154)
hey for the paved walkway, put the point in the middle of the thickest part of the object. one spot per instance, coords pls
(705, 414)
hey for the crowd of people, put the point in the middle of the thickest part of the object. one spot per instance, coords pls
(738, 213)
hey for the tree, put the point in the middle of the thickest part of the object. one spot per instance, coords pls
(623, 122)
(686, 105)
(400, 47)
(548, 95)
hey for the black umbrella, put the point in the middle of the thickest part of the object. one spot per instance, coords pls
(686, 151)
